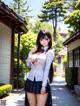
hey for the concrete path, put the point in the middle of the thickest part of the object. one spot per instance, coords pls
(14, 99)
(60, 94)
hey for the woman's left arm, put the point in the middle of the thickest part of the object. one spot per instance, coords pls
(49, 59)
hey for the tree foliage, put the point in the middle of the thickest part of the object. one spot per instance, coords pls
(71, 4)
(27, 42)
(52, 11)
(58, 44)
(41, 25)
(20, 7)
(73, 19)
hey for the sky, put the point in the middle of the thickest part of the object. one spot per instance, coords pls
(36, 6)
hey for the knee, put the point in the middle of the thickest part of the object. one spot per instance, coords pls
(32, 105)
(40, 105)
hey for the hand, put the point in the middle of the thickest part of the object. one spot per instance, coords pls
(43, 90)
(33, 50)
(34, 58)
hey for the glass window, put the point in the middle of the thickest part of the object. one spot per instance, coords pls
(76, 58)
(70, 59)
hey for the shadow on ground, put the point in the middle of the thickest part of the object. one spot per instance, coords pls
(61, 96)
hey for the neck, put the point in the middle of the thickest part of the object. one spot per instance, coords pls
(45, 48)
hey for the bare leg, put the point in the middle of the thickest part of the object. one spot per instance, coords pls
(41, 99)
(31, 98)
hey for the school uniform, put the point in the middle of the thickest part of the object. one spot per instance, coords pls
(38, 75)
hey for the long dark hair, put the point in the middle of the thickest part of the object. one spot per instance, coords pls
(41, 35)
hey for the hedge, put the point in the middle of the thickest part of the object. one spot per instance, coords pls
(5, 89)
(71, 76)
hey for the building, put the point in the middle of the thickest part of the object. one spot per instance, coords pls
(73, 52)
(61, 54)
(10, 23)
(63, 32)
(60, 68)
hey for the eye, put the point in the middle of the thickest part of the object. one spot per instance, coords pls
(46, 38)
(41, 39)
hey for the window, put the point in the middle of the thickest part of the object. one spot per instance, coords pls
(76, 58)
(70, 59)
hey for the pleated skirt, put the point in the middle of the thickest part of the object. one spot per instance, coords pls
(35, 87)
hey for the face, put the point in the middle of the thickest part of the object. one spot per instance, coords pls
(44, 41)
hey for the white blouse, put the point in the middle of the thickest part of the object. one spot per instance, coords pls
(40, 69)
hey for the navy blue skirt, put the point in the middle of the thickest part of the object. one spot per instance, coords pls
(35, 87)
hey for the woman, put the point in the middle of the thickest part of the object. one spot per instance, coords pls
(39, 60)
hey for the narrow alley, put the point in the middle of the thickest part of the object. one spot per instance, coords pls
(61, 96)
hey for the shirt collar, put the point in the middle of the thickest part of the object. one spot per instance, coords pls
(45, 48)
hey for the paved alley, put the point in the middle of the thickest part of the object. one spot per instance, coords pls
(60, 94)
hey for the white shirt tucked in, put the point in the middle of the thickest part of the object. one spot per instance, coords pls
(40, 69)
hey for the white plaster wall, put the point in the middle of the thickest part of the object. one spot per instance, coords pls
(5, 53)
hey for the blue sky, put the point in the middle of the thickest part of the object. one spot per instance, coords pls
(35, 6)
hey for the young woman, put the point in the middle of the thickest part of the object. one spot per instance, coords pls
(39, 60)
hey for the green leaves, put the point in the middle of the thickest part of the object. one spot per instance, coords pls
(27, 42)
(77, 5)
(20, 7)
(74, 18)
(52, 10)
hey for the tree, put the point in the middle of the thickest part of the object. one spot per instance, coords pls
(52, 11)
(28, 41)
(41, 25)
(58, 44)
(73, 19)
(71, 4)
(20, 7)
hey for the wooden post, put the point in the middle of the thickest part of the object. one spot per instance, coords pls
(12, 57)
(18, 56)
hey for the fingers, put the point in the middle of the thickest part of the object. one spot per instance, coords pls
(43, 90)
(34, 60)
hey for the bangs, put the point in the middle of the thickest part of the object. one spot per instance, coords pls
(44, 37)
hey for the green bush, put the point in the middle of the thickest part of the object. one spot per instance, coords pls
(20, 74)
(19, 82)
(64, 60)
(71, 76)
(5, 89)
